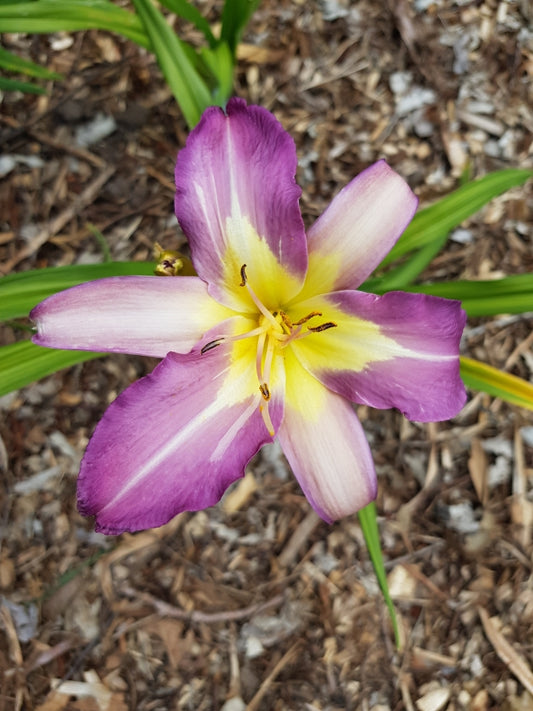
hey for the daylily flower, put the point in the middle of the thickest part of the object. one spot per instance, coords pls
(270, 340)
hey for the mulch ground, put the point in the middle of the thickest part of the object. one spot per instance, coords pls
(257, 604)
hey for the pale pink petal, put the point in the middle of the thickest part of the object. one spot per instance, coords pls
(237, 201)
(130, 314)
(357, 230)
(326, 447)
(393, 351)
(174, 440)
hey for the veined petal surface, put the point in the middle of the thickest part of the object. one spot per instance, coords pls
(237, 202)
(140, 315)
(325, 446)
(174, 440)
(359, 227)
(393, 351)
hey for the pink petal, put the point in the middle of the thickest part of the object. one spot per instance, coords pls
(326, 447)
(393, 351)
(130, 314)
(236, 194)
(360, 226)
(174, 441)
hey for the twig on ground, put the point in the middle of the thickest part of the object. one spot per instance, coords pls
(163, 608)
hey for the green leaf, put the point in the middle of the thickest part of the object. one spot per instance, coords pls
(235, 17)
(11, 63)
(188, 12)
(480, 376)
(188, 87)
(19, 293)
(47, 16)
(369, 526)
(16, 85)
(399, 277)
(431, 223)
(220, 65)
(510, 295)
(23, 363)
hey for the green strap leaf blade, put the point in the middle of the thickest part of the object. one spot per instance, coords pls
(235, 17)
(432, 222)
(510, 295)
(11, 63)
(369, 526)
(16, 85)
(188, 12)
(189, 89)
(219, 63)
(483, 377)
(19, 293)
(48, 16)
(23, 363)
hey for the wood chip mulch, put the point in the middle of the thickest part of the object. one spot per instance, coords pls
(256, 604)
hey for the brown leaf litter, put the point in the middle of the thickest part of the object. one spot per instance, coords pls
(257, 604)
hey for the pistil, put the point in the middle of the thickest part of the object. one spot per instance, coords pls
(275, 330)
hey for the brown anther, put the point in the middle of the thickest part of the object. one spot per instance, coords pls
(286, 320)
(308, 317)
(212, 344)
(244, 278)
(322, 327)
(265, 392)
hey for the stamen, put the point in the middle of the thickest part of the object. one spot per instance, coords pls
(308, 317)
(322, 327)
(266, 313)
(286, 321)
(212, 344)
(259, 356)
(269, 356)
(275, 331)
(263, 409)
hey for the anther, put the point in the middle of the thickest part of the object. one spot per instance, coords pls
(308, 317)
(265, 392)
(262, 308)
(322, 327)
(212, 344)
(286, 320)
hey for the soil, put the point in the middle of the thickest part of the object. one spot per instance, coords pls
(256, 604)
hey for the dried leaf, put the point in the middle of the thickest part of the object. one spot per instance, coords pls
(509, 656)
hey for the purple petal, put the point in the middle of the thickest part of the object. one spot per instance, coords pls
(398, 350)
(237, 201)
(360, 226)
(326, 447)
(174, 441)
(130, 314)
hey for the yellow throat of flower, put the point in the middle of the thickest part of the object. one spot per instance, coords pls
(274, 332)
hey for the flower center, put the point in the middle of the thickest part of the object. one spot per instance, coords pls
(275, 331)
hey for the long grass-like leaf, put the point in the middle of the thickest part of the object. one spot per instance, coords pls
(188, 12)
(398, 277)
(369, 526)
(11, 63)
(432, 222)
(188, 87)
(510, 295)
(16, 85)
(483, 377)
(23, 363)
(46, 16)
(220, 65)
(235, 17)
(19, 293)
